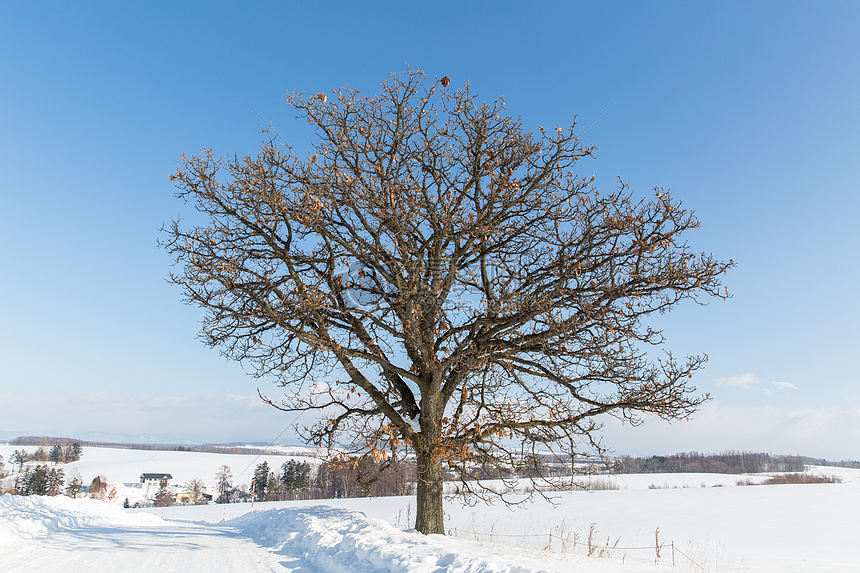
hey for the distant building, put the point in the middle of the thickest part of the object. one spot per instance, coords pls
(187, 497)
(152, 482)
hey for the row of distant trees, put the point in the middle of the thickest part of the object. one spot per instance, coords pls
(298, 480)
(44, 478)
(48, 441)
(366, 477)
(853, 464)
(58, 454)
(725, 463)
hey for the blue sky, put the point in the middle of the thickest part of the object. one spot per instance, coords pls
(746, 111)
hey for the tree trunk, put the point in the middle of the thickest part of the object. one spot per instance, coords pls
(429, 516)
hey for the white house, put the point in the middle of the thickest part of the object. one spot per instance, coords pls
(151, 482)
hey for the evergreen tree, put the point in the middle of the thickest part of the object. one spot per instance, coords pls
(56, 455)
(275, 491)
(22, 483)
(33, 481)
(288, 475)
(75, 484)
(261, 482)
(40, 480)
(55, 481)
(164, 497)
(295, 476)
(303, 475)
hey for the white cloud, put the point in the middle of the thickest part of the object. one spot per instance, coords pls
(748, 381)
(785, 385)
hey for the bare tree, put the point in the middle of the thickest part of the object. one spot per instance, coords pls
(98, 487)
(433, 278)
(196, 487)
(223, 484)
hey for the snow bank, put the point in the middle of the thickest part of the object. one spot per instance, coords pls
(344, 541)
(35, 516)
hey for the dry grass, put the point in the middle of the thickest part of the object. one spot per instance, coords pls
(600, 483)
(801, 478)
(793, 478)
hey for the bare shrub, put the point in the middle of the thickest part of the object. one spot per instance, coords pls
(603, 483)
(592, 539)
(792, 478)
(655, 486)
(596, 484)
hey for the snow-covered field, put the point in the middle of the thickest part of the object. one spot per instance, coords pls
(124, 466)
(783, 528)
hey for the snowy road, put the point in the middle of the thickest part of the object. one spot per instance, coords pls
(61, 534)
(172, 547)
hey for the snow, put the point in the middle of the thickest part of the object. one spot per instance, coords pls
(58, 534)
(320, 538)
(413, 423)
(35, 517)
(710, 518)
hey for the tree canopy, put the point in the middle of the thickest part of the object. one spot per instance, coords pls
(433, 278)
